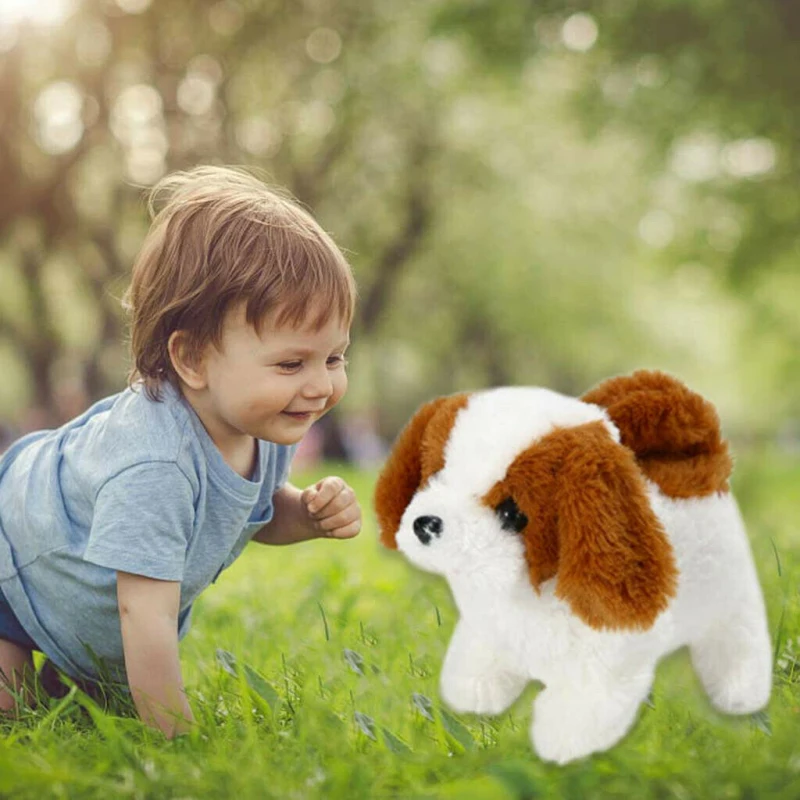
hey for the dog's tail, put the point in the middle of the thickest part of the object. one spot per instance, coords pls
(673, 432)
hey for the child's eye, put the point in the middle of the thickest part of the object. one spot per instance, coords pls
(336, 361)
(290, 366)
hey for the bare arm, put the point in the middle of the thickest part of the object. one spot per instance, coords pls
(148, 611)
(290, 521)
(327, 509)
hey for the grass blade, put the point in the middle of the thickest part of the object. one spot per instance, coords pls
(354, 661)
(394, 743)
(777, 557)
(761, 721)
(457, 730)
(262, 687)
(366, 725)
(227, 661)
(423, 704)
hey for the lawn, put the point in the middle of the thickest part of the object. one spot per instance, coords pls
(313, 671)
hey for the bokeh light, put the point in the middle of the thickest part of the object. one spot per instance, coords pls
(749, 158)
(57, 111)
(138, 124)
(93, 43)
(134, 6)
(258, 136)
(226, 17)
(323, 45)
(579, 32)
(38, 12)
(198, 90)
(657, 228)
(695, 158)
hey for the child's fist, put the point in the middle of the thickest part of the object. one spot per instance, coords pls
(333, 507)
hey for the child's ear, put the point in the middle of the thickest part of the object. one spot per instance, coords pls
(418, 452)
(189, 367)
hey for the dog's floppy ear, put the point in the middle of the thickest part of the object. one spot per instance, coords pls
(615, 564)
(418, 453)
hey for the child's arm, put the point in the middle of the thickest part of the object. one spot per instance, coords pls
(327, 509)
(148, 611)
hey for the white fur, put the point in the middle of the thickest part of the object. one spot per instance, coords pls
(508, 634)
(497, 424)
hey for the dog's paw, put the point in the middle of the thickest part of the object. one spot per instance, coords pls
(744, 689)
(560, 742)
(736, 671)
(567, 728)
(481, 695)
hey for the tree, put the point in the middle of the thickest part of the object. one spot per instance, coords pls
(93, 113)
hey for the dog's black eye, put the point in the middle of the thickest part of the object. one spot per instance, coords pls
(511, 518)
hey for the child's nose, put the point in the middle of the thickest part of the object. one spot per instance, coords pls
(319, 384)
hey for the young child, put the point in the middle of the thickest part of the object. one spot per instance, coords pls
(112, 525)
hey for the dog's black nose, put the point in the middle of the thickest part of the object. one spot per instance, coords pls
(427, 527)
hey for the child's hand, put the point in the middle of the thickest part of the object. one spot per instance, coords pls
(332, 506)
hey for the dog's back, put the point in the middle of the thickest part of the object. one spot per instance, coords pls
(675, 436)
(716, 575)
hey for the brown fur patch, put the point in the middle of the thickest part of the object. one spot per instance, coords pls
(437, 434)
(673, 432)
(531, 481)
(418, 453)
(590, 523)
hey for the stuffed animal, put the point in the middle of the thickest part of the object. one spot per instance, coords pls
(582, 539)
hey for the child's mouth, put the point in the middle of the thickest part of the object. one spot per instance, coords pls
(298, 415)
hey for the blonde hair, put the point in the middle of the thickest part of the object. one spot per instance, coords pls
(222, 237)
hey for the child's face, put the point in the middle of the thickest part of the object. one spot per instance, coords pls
(274, 384)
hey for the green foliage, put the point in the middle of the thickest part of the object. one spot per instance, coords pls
(707, 90)
(668, 70)
(516, 210)
(313, 669)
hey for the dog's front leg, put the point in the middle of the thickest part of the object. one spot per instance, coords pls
(588, 714)
(474, 678)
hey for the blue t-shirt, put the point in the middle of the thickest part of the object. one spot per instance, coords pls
(132, 485)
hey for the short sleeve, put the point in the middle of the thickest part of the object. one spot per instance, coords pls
(284, 464)
(143, 519)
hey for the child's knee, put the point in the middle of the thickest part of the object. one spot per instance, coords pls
(16, 667)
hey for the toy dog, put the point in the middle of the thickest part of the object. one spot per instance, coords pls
(583, 539)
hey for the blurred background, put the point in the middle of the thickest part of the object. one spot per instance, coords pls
(529, 192)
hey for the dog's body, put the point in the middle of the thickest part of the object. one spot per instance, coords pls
(507, 494)
(595, 680)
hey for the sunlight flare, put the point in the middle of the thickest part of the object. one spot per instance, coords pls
(41, 12)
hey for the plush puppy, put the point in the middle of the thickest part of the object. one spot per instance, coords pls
(582, 539)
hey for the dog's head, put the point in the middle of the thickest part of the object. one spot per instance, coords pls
(527, 481)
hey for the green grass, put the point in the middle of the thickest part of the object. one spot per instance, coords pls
(313, 673)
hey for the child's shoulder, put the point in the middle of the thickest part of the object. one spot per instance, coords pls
(129, 429)
(157, 426)
(123, 440)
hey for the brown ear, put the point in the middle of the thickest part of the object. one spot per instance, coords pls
(418, 453)
(615, 564)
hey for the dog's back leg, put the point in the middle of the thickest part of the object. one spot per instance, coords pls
(734, 658)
